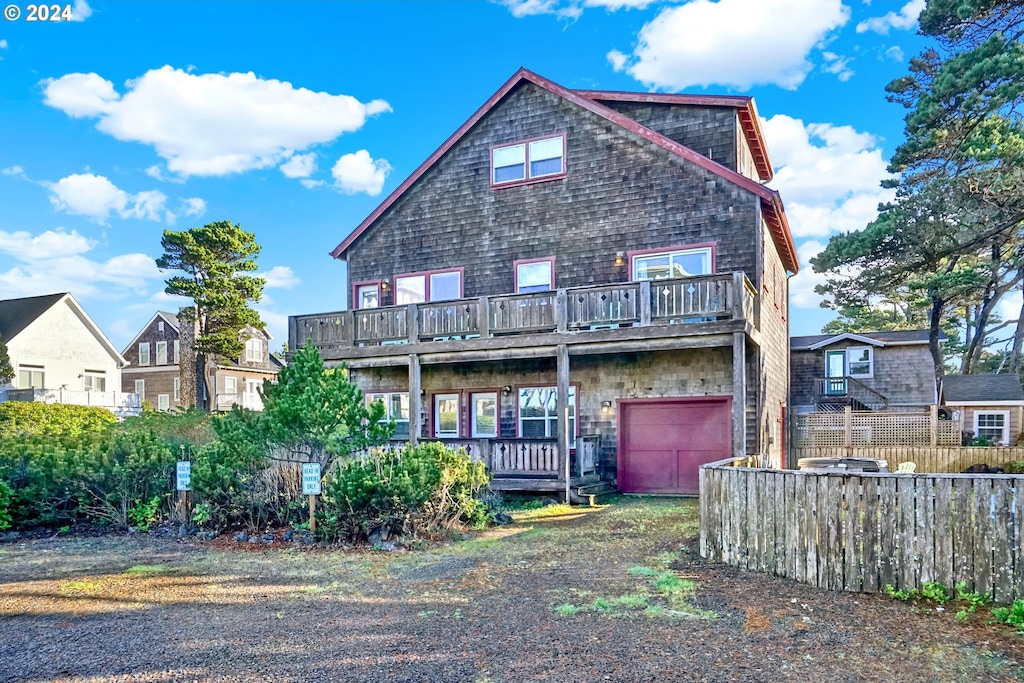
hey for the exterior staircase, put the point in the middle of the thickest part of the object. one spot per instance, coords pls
(833, 394)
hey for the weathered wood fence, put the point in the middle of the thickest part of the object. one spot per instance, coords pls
(939, 459)
(861, 532)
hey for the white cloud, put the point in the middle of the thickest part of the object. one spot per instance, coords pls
(299, 166)
(614, 5)
(211, 124)
(3, 44)
(527, 8)
(15, 171)
(617, 60)
(56, 261)
(838, 65)
(905, 19)
(155, 171)
(360, 172)
(193, 206)
(310, 184)
(737, 43)
(280, 277)
(801, 285)
(895, 53)
(828, 175)
(81, 11)
(94, 196)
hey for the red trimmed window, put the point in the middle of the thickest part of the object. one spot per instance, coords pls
(535, 275)
(521, 162)
(436, 285)
(367, 294)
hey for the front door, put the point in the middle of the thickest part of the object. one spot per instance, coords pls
(835, 372)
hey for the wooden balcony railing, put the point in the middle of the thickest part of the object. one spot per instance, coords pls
(704, 298)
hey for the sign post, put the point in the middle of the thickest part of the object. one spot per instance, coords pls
(311, 488)
(183, 484)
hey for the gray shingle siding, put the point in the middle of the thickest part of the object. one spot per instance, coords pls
(621, 193)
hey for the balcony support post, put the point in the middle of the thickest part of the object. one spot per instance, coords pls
(645, 303)
(415, 410)
(562, 406)
(739, 393)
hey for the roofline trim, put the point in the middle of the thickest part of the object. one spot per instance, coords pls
(159, 314)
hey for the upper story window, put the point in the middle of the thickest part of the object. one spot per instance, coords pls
(528, 160)
(367, 295)
(144, 353)
(663, 265)
(254, 350)
(161, 353)
(31, 377)
(414, 288)
(536, 275)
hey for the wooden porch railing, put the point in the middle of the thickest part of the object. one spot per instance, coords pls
(704, 298)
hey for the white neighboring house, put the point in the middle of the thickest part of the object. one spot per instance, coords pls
(59, 355)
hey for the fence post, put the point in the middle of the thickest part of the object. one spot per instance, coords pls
(483, 317)
(412, 323)
(561, 310)
(645, 303)
(848, 427)
(935, 425)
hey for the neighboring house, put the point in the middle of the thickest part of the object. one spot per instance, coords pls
(578, 281)
(59, 355)
(988, 406)
(875, 371)
(154, 374)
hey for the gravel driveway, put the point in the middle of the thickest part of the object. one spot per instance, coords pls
(579, 595)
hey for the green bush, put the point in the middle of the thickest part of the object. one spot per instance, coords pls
(424, 489)
(44, 419)
(5, 504)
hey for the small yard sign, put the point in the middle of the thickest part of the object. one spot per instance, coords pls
(184, 478)
(311, 479)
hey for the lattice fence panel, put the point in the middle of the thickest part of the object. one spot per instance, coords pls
(827, 430)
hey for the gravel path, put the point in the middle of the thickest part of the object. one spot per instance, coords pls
(557, 598)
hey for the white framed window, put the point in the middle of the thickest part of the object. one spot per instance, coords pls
(860, 361)
(177, 351)
(528, 160)
(94, 380)
(254, 350)
(144, 353)
(31, 377)
(160, 326)
(535, 275)
(993, 425)
(484, 415)
(140, 388)
(161, 353)
(538, 416)
(177, 389)
(368, 296)
(163, 402)
(446, 416)
(396, 407)
(677, 263)
(415, 288)
(230, 385)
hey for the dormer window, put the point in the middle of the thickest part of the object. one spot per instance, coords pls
(528, 160)
(253, 350)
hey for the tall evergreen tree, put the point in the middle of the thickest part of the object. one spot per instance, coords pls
(6, 369)
(213, 261)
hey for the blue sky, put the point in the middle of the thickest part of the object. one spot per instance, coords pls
(295, 119)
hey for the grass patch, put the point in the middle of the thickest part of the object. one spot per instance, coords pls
(664, 594)
(146, 569)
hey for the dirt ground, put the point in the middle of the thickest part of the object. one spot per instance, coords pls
(616, 593)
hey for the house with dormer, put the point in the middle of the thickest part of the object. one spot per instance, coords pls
(580, 287)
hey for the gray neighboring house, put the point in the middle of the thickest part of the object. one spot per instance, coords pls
(865, 370)
(990, 406)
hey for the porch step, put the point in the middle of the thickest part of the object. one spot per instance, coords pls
(588, 494)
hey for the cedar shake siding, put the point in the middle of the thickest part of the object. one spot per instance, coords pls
(704, 356)
(620, 193)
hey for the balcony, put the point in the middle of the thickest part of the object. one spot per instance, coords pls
(637, 311)
(120, 403)
(252, 401)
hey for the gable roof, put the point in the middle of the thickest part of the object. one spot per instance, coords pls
(170, 318)
(17, 314)
(982, 388)
(746, 111)
(771, 203)
(888, 338)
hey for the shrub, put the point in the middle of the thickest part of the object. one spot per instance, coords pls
(5, 503)
(424, 489)
(57, 420)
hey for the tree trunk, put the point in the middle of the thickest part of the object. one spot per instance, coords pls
(935, 317)
(1018, 342)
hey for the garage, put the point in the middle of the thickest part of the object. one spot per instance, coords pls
(663, 442)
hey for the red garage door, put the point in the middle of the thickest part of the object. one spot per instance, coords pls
(662, 443)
